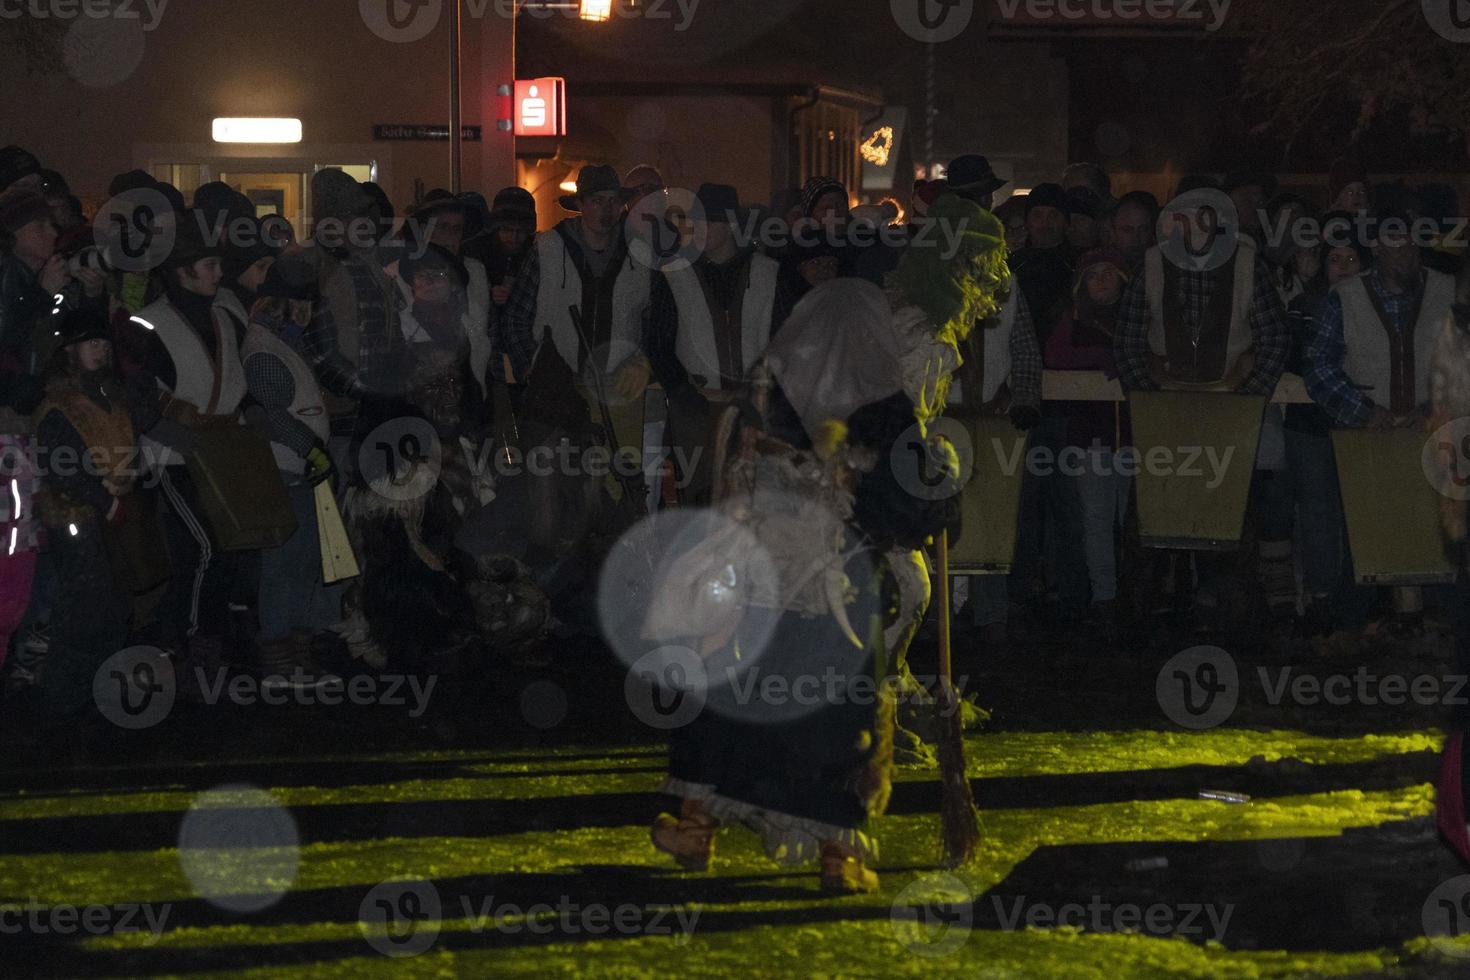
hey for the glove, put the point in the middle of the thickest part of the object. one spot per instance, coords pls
(319, 466)
(1025, 417)
(632, 378)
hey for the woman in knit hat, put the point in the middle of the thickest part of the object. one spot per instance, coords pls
(1347, 187)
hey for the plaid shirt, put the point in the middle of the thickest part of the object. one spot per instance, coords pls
(515, 324)
(1327, 380)
(1269, 329)
(1025, 380)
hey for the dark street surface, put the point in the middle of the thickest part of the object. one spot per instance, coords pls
(336, 841)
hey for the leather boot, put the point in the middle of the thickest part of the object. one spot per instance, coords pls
(843, 872)
(688, 838)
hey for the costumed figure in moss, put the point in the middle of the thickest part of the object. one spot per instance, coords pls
(794, 578)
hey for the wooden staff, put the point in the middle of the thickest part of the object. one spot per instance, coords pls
(961, 822)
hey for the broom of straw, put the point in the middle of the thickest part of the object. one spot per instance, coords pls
(960, 821)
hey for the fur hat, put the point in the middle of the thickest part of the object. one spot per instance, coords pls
(19, 206)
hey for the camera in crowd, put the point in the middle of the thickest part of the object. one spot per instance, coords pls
(90, 258)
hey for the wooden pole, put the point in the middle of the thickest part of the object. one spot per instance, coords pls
(456, 118)
(959, 820)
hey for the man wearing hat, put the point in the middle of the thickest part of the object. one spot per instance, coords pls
(293, 603)
(354, 337)
(971, 177)
(584, 263)
(503, 250)
(191, 378)
(86, 415)
(450, 222)
(709, 322)
(32, 275)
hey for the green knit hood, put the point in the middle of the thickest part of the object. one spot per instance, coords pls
(955, 290)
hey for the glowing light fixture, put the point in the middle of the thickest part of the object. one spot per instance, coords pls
(257, 130)
(596, 10)
(569, 186)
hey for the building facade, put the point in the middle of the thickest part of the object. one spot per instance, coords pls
(96, 97)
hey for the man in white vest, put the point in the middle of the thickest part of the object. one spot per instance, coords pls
(191, 377)
(1206, 315)
(1201, 322)
(1368, 361)
(582, 263)
(709, 322)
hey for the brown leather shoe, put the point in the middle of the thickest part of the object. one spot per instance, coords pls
(688, 838)
(843, 872)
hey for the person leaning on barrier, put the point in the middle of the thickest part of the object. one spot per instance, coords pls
(1224, 327)
(1368, 362)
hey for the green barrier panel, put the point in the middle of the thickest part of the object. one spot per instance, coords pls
(991, 499)
(1391, 507)
(1196, 451)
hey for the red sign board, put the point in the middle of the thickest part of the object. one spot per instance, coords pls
(540, 107)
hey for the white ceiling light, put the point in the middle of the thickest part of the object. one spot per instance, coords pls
(257, 130)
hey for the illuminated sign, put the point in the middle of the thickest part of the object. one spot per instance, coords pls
(880, 151)
(257, 130)
(541, 107)
(877, 148)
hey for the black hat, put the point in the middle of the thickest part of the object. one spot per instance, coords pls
(439, 201)
(1048, 196)
(53, 185)
(1266, 182)
(16, 164)
(1084, 200)
(133, 180)
(433, 257)
(379, 201)
(217, 197)
(337, 195)
(246, 243)
(190, 244)
(173, 195)
(292, 276)
(972, 174)
(75, 326)
(19, 206)
(513, 205)
(720, 202)
(593, 179)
